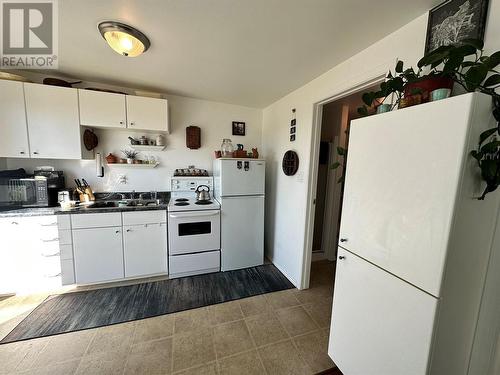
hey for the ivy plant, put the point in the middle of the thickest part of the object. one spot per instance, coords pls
(469, 67)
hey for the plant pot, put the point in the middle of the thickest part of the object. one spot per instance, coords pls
(428, 84)
(130, 161)
(409, 101)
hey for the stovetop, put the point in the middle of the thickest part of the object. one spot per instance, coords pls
(188, 202)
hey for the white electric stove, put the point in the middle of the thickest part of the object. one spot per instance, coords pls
(193, 229)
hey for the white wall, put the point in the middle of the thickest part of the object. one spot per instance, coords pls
(213, 118)
(287, 196)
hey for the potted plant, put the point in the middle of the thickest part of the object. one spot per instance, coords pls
(131, 155)
(467, 66)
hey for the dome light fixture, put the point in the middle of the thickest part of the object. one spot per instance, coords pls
(124, 39)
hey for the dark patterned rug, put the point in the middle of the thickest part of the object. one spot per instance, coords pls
(77, 311)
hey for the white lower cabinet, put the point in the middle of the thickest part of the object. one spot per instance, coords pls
(365, 296)
(98, 254)
(145, 249)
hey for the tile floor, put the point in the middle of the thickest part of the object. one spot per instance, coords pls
(278, 333)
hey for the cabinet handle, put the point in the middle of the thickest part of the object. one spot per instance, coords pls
(132, 123)
(15, 223)
(49, 225)
(35, 152)
(51, 255)
(56, 275)
(343, 240)
(121, 122)
(117, 231)
(21, 152)
(129, 230)
(52, 240)
(341, 257)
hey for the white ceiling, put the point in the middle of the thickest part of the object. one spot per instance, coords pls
(247, 52)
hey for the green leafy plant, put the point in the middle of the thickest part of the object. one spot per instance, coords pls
(467, 66)
(341, 151)
(393, 86)
(488, 154)
(130, 154)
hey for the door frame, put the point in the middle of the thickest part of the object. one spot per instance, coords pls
(313, 169)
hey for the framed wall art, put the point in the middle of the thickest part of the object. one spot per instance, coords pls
(455, 20)
(238, 128)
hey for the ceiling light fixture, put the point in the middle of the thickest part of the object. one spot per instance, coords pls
(124, 39)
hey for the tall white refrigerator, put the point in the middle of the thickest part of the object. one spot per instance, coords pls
(239, 186)
(415, 245)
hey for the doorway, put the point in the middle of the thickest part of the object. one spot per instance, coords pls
(336, 117)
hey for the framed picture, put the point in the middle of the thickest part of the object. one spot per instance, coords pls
(292, 130)
(238, 128)
(455, 20)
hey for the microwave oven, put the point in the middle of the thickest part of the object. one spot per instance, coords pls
(24, 192)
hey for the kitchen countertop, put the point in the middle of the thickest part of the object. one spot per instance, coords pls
(44, 211)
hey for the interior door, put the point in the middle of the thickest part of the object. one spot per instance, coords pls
(145, 249)
(53, 122)
(102, 109)
(242, 177)
(98, 254)
(244, 216)
(403, 168)
(14, 136)
(381, 325)
(147, 113)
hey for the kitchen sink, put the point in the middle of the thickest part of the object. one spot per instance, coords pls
(121, 203)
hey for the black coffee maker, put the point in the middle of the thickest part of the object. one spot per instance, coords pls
(55, 183)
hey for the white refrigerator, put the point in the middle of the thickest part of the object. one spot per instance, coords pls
(415, 246)
(239, 186)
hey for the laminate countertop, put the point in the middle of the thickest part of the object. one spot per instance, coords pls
(44, 211)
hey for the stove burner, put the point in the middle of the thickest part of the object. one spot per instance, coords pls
(203, 202)
(181, 200)
(181, 204)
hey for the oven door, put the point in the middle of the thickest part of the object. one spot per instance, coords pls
(193, 231)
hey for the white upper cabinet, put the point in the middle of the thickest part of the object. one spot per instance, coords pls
(53, 121)
(102, 109)
(13, 131)
(147, 113)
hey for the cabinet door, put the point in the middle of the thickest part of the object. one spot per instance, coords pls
(380, 324)
(14, 133)
(147, 113)
(145, 249)
(102, 109)
(53, 123)
(12, 243)
(98, 254)
(399, 197)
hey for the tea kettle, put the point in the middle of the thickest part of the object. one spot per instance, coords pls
(202, 193)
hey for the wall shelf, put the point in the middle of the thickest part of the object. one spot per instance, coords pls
(125, 165)
(147, 148)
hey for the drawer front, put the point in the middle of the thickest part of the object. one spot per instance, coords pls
(66, 252)
(63, 222)
(194, 264)
(144, 217)
(110, 219)
(67, 272)
(65, 237)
